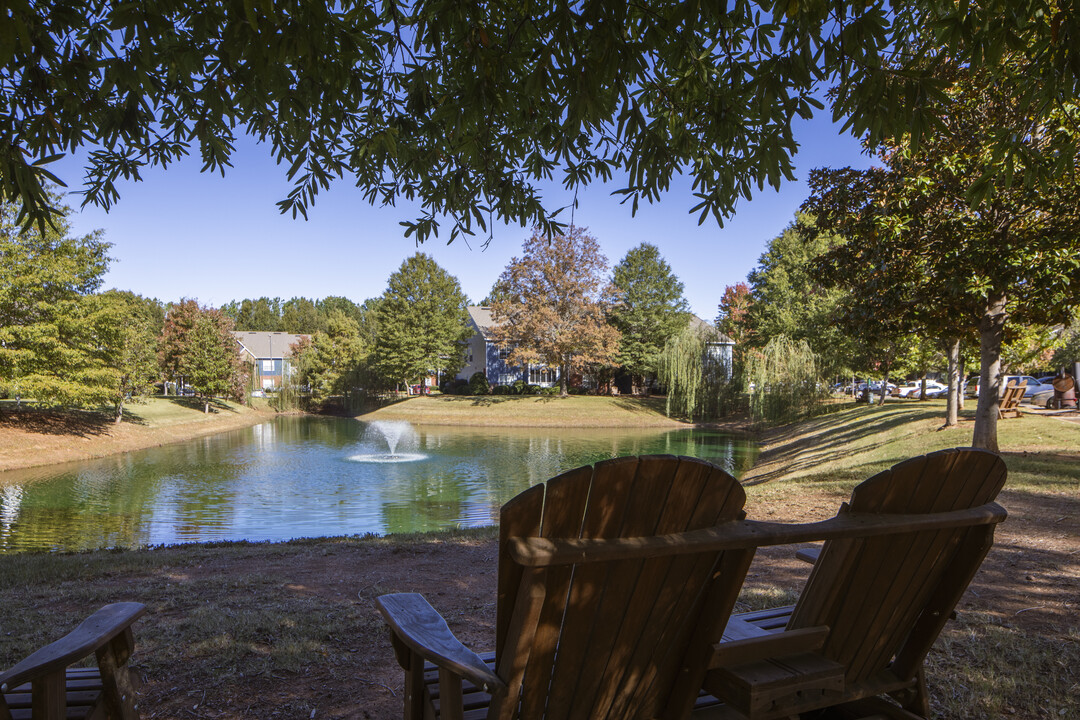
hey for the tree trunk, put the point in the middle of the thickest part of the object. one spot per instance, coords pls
(884, 389)
(206, 406)
(961, 373)
(119, 413)
(564, 371)
(951, 412)
(991, 333)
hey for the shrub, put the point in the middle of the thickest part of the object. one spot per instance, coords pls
(478, 384)
(532, 389)
(502, 390)
(550, 390)
(518, 387)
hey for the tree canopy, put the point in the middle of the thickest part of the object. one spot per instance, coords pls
(468, 107)
(937, 241)
(46, 352)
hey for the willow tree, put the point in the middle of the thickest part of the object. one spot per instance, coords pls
(695, 380)
(784, 380)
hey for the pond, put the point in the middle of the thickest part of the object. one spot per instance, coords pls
(313, 477)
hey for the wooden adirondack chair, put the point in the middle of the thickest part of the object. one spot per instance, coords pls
(45, 687)
(622, 638)
(883, 601)
(615, 584)
(1010, 400)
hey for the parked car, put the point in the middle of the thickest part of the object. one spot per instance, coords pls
(909, 389)
(1033, 387)
(935, 389)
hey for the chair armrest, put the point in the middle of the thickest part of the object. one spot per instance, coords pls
(422, 629)
(94, 632)
(808, 555)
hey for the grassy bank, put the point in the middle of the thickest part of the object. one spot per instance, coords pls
(289, 630)
(30, 437)
(528, 411)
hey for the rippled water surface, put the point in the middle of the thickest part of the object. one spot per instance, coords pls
(305, 477)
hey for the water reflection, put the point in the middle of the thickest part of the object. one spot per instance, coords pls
(293, 478)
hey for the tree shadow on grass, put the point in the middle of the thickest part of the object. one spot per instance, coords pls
(838, 432)
(76, 423)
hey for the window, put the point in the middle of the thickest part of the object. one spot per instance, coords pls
(268, 366)
(541, 376)
(504, 352)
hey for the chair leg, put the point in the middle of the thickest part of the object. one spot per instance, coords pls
(919, 700)
(117, 686)
(414, 688)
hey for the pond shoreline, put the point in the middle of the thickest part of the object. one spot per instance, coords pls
(31, 438)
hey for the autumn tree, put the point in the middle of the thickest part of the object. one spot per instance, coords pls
(942, 237)
(45, 279)
(648, 308)
(548, 305)
(422, 322)
(469, 107)
(197, 345)
(733, 319)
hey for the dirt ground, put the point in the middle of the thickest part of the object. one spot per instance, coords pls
(1030, 582)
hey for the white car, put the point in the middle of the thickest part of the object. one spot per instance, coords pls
(909, 389)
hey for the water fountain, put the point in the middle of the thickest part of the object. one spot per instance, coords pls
(392, 433)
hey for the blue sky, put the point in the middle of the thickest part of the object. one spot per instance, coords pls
(182, 233)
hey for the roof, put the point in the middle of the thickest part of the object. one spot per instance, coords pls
(701, 326)
(267, 345)
(481, 318)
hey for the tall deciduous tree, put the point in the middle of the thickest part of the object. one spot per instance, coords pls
(197, 344)
(300, 316)
(468, 106)
(422, 322)
(44, 281)
(548, 305)
(940, 228)
(790, 299)
(733, 319)
(261, 315)
(647, 307)
(329, 361)
(124, 338)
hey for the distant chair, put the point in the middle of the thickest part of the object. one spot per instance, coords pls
(1010, 401)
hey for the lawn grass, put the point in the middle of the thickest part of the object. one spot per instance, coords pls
(528, 411)
(837, 450)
